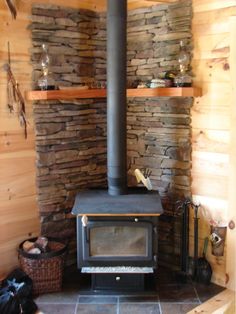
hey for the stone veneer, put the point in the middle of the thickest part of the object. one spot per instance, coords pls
(71, 135)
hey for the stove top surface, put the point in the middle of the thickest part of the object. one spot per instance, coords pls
(137, 202)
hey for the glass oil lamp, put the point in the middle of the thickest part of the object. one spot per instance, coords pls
(46, 81)
(183, 79)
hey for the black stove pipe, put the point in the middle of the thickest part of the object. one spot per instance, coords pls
(116, 96)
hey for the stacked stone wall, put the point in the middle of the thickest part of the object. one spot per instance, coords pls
(159, 129)
(76, 41)
(71, 135)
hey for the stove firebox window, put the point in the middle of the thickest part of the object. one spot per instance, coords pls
(118, 241)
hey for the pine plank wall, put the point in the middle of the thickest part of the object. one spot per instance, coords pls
(213, 133)
(211, 123)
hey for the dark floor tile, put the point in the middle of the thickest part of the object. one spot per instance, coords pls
(167, 308)
(57, 308)
(139, 299)
(96, 309)
(177, 293)
(139, 308)
(98, 300)
(66, 296)
(165, 276)
(206, 292)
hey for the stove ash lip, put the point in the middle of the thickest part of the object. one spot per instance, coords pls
(137, 201)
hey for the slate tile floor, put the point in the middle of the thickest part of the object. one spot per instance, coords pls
(172, 295)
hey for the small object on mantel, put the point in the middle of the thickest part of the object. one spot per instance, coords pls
(170, 77)
(157, 83)
(46, 80)
(141, 85)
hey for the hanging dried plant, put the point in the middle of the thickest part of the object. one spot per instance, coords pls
(12, 7)
(15, 100)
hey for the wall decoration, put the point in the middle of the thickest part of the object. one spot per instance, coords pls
(12, 8)
(15, 100)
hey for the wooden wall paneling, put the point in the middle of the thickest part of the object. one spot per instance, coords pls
(211, 46)
(221, 99)
(212, 69)
(201, 120)
(231, 236)
(12, 141)
(24, 5)
(210, 185)
(19, 204)
(135, 4)
(16, 174)
(211, 5)
(210, 140)
(101, 5)
(211, 116)
(17, 234)
(210, 29)
(18, 208)
(210, 163)
(213, 16)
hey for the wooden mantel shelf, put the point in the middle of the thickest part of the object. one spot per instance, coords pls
(101, 93)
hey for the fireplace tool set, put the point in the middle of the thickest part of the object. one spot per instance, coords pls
(198, 267)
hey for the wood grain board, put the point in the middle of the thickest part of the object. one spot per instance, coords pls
(222, 303)
(231, 235)
(97, 5)
(18, 208)
(211, 117)
(100, 93)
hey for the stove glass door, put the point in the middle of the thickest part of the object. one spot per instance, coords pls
(118, 240)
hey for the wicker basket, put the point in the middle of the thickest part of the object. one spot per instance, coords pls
(45, 269)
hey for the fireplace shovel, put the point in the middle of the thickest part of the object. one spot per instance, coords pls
(203, 267)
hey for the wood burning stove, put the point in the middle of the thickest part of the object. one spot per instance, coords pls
(118, 231)
(118, 251)
(117, 236)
